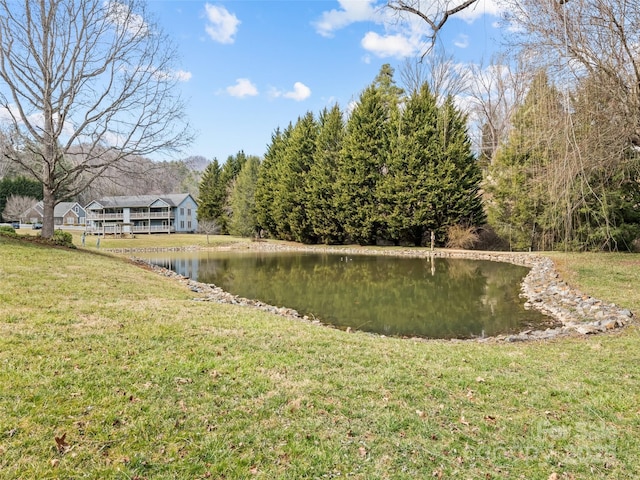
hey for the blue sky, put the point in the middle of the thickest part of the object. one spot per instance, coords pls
(250, 66)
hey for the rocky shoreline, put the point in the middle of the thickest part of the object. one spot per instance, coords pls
(543, 289)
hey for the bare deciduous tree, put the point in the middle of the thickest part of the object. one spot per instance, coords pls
(435, 13)
(587, 38)
(86, 84)
(496, 90)
(17, 206)
(440, 71)
(208, 226)
(591, 49)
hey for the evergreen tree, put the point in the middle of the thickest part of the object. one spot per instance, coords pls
(229, 171)
(433, 179)
(365, 156)
(321, 180)
(392, 95)
(458, 173)
(211, 195)
(267, 186)
(516, 201)
(231, 168)
(242, 199)
(290, 205)
(409, 189)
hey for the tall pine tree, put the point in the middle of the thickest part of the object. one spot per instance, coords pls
(321, 180)
(211, 195)
(365, 156)
(458, 173)
(243, 221)
(290, 205)
(516, 202)
(409, 188)
(267, 186)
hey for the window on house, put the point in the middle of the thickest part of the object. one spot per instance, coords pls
(181, 211)
(181, 223)
(188, 211)
(189, 224)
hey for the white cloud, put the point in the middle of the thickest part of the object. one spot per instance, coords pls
(404, 34)
(351, 11)
(162, 75)
(10, 115)
(383, 46)
(122, 16)
(300, 92)
(483, 7)
(182, 76)
(242, 88)
(462, 41)
(222, 25)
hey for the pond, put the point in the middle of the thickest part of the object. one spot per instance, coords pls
(395, 296)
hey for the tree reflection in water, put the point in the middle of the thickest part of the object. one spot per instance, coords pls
(400, 296)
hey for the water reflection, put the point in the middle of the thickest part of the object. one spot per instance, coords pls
(434, 298)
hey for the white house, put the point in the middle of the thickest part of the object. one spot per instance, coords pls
(172, 213)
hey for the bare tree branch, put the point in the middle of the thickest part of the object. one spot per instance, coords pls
(440, 71)
(435, 14)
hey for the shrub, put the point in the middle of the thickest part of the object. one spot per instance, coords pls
(62, 238)
(7, 231)
(460, 236)
(488, 239)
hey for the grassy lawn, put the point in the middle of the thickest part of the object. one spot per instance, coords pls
(136, 380)
(145, 241)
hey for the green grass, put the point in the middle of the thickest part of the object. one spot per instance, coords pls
(146, 241)
(612, 276)
(147, 383)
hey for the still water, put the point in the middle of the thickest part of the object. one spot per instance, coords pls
(423, 297)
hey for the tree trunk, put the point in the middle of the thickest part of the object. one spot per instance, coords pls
(49, 203)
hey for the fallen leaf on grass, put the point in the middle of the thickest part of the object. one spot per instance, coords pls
(362, 451)
(61, 443)
(463, 421)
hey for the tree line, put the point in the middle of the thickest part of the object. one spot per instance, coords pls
(566, 174)
(398, 167)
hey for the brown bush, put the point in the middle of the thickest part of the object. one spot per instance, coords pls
(460, 236)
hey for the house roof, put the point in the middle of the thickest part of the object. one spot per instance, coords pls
(173, 200)
(63, 207)
(59, 210)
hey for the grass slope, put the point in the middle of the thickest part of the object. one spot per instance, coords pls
(136, 380)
